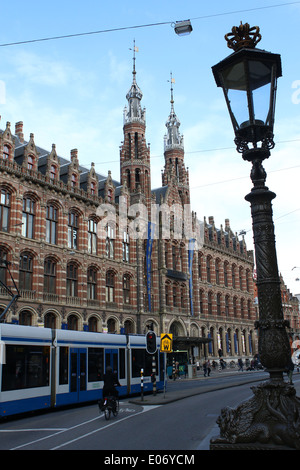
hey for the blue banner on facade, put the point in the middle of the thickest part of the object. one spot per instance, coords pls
(191, 255)
(151, 227)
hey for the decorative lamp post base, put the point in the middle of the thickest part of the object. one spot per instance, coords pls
(271, 419)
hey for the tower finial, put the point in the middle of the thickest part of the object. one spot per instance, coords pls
(135, 49)
(172, 80)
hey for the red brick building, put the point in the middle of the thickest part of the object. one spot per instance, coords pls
(79, 252)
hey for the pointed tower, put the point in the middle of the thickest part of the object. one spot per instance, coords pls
(134, 152)
(174, 170)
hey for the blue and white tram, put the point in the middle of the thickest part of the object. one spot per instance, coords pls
(44, 368)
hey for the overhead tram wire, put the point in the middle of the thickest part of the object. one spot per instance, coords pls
(111, 30)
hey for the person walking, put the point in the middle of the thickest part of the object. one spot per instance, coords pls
(290, 369)
(241, 364)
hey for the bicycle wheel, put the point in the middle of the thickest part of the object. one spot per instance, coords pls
(107, 413)
(116, 408)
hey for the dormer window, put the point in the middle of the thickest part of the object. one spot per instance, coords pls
(30, 162)
(74, 180)
(110, 195)
(6, 152)
(93, 188)
(53, 172)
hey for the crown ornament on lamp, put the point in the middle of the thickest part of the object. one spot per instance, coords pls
(243, 36)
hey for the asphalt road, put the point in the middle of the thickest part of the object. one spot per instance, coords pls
(186, 425)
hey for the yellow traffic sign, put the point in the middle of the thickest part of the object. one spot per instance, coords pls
(166, 342)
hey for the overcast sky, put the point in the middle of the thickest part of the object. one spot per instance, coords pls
(72, 92)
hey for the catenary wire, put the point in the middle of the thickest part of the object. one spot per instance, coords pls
(89, 33)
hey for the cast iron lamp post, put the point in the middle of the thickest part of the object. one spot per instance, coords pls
(271, 418)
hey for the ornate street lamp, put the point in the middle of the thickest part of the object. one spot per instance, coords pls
(272, 417)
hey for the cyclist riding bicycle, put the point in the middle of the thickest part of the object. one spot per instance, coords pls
(110, 384)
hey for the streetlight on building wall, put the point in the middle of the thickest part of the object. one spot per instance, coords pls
(248, 78)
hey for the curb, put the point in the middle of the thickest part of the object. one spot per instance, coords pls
(171, 397)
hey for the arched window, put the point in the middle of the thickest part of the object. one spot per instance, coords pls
(93, 324)
(111, 325)
(110, 286)
(92, 237)
(25, 271)
(92, 284)
(25, 318)
(72, 280)
(51, 224)
(110, 242)
(28, 215)
(72, 322)
(49, 276)
(4, 210)
(73, 230)
(50, 320)
(126, 289)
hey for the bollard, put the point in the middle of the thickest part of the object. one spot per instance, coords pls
(153, 377)
(142, 384)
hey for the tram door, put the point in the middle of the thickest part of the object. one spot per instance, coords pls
(77, 373)
(111, 359)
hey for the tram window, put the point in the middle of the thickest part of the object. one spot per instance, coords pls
(26, 367)
(95, 364)
(140, 359)
(122, 363)
(63, 365)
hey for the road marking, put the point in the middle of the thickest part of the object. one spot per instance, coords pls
(60, 431)
(144, 410)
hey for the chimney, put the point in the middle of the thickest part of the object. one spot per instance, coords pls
(227, 225)
(19, 131)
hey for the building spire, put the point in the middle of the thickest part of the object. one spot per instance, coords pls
(134, 111)
(173, 139)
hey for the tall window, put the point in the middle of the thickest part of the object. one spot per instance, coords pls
(25, 271)
(51, 224)
(72, 280)
(92, 237)
(199, 266)
(208, 274)
(92, 283)
(110, 286)
(209, 300)
(109, 243)
(233, 276)
(217, 268)
(226, 274)
(126, 289)
(49, 276)
(28, 217)
(73, 231)
(4, 210)
(218, 304)
(3, 270)
(125, 246)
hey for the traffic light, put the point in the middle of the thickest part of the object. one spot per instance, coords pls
(151, 342)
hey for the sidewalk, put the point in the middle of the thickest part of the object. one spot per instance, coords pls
(207, 384)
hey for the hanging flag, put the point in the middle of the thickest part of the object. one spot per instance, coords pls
(190, 260)
(151, 227)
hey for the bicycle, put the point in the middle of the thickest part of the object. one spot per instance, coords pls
(109, 405)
